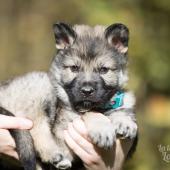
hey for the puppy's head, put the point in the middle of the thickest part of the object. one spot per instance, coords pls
(90, 63)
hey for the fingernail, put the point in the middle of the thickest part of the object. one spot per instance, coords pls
(26, 124)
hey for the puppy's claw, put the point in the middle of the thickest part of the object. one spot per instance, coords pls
(125, 128)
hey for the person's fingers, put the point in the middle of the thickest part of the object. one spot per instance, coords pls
(6, 139)
(84, 156)
(9, 150)
(81, 141)
(7, 144)
(8, 122)
(73, 145)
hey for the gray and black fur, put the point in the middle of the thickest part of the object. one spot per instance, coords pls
(88, 69)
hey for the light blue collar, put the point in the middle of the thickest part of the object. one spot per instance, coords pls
(116, 101)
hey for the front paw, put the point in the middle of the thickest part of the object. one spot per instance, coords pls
(125, 127)
(60, 162)
(103, 135)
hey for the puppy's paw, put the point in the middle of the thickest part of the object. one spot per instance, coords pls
(125, 127)
(60, 162)
(100, 129)
(103, 135)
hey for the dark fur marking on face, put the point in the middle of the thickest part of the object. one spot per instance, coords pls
(89, 47)
(102, 93)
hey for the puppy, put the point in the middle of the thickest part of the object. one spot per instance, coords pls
(87, 74)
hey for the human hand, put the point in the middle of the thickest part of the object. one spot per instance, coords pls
(93, 157)
(77, 139)
(7, 144)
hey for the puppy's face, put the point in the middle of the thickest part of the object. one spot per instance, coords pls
(90, 63)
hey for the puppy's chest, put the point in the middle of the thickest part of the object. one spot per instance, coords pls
(63, 117)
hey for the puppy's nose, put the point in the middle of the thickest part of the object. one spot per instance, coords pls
(87, 90)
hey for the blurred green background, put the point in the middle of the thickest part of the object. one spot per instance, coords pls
(27, 43)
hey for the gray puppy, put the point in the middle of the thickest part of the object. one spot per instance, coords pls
(87, 74)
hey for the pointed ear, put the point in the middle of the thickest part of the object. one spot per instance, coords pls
(117, 36)
(64, 35)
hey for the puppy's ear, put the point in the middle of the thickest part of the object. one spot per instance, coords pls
(117, 36)
(64, 35)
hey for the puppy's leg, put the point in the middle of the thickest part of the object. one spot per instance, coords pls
(124, 124)
(46, 146)
(100, 129)
(123, 118)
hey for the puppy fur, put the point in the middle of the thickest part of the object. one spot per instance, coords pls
(90, 66)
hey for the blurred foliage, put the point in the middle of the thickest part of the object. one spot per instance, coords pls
(27, 43)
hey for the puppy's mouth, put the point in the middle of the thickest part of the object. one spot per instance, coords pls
(84, 106)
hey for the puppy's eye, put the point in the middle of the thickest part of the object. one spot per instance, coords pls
(74, 68)
(103, 70)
